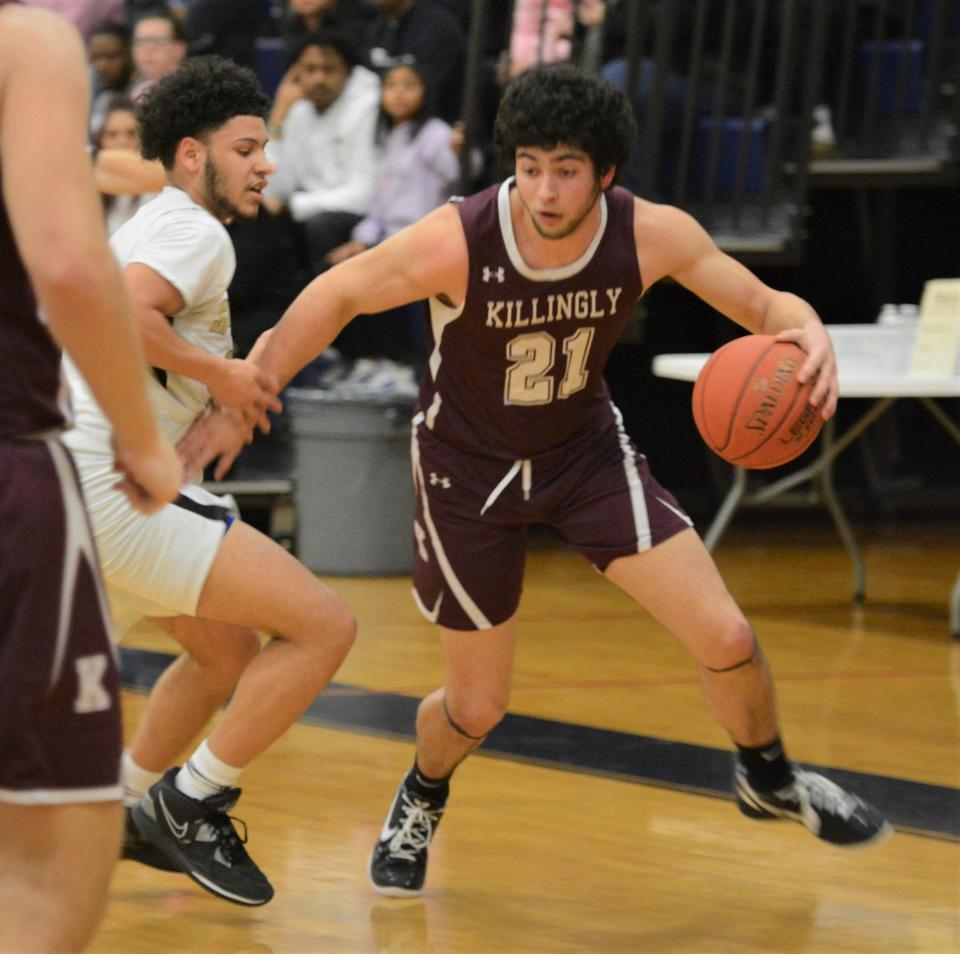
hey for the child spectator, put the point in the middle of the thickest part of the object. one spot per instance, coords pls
(418, 161)
(419, 166)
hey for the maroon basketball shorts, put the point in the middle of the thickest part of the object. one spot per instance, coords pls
(472, 513)
(60, 723)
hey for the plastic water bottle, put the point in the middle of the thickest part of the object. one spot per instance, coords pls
(889, 315)
(823, 140)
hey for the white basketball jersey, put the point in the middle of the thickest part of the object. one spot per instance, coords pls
(187, 246)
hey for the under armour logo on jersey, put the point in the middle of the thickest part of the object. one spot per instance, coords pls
(91, 694)
(442, 481)
(489, 273)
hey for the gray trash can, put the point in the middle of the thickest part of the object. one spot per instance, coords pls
(352, 484)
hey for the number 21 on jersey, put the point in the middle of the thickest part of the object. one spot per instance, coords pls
(529, 381)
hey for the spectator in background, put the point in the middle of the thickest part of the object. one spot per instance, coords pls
(111, 63)
(418, 161)
(84, 14)
(227, 28)
(433, 36)
(304, 17)
(159, 47)
(419, 165)
(137, 8)
(322, 125)
(542, 33)
(120, 131)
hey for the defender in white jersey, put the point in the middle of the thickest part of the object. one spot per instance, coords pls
(193, 568)
(182, 243)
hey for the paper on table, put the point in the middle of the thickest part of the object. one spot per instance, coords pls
(938, 331)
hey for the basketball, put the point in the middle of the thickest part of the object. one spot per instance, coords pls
(748, 406)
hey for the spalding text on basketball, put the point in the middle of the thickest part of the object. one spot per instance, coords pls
(801, 426)
(773, 390)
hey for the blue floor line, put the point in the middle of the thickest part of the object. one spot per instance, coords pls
(917, 807)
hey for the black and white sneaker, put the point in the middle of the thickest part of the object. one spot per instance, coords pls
(199, 837)
(398, 865)
(820, 805)
(136, 848)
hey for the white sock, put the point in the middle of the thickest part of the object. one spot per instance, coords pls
(136, 780)
(204, 774)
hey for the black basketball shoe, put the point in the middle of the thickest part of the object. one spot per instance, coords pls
(398, 865)
(136, 848)
(820, 805)
(200, 838)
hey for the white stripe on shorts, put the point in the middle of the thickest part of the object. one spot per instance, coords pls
(638, 501)
(77, 544)
(456, 587)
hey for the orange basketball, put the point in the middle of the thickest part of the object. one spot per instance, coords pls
(748, 406)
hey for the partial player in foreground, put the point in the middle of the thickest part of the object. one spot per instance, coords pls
(194, 569)
(60, 727)
(529, 285)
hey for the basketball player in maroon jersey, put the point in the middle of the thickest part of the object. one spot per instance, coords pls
(60, 732)
(529, 285)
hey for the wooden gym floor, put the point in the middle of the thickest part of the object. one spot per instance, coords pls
(598, 817)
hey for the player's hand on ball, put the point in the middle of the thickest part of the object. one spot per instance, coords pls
(820, 365)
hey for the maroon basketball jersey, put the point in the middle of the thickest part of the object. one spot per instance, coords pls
(519, 370)
(30, 384)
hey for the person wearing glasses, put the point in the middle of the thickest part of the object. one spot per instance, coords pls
(159, 47)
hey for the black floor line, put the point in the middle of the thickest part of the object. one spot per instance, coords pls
(930, 810)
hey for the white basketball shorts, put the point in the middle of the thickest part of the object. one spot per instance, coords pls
(152, 565)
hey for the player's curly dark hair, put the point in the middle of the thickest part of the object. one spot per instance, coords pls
(558, 103)
(199, 97)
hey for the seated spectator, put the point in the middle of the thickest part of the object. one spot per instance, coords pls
(224, 29)
(159, 47)
(111, 65)
(304, 17)
(419, 161)
(120, 131)
(322, 126)
(85, 14)
(135, 9)
(419, 166)
(430, 34)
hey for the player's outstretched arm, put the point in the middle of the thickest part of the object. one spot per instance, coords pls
(426, 259)
(57, 221)
(423, 260)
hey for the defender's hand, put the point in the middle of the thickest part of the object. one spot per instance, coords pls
(218, 434)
